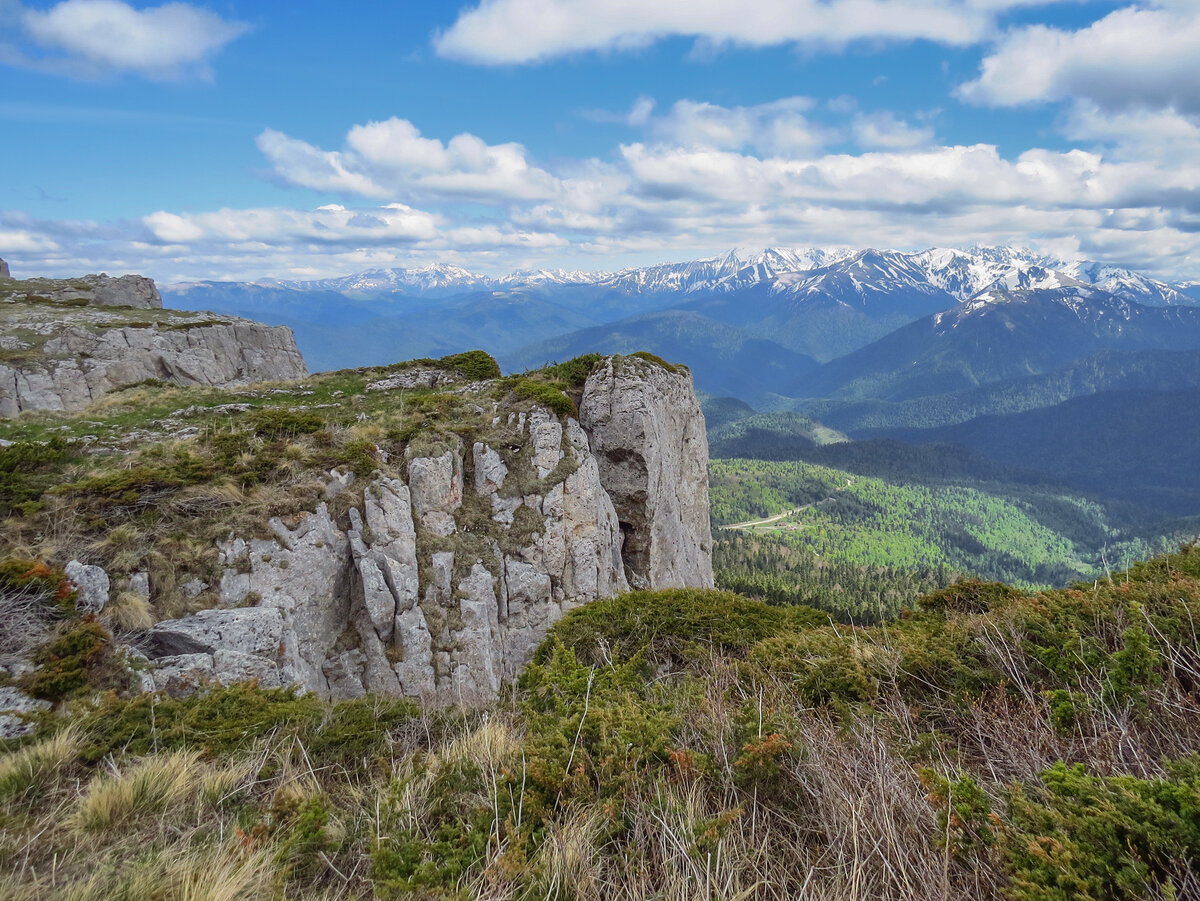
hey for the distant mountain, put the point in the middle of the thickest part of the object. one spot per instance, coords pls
(820, 303)
(725, 360)
(1003, 333)
(1139, 446)
(1107, 370)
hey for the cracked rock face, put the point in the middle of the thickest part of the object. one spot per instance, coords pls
(440, 586)
(82, 338)
(650, 444)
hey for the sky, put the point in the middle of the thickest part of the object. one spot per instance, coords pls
(306, 139)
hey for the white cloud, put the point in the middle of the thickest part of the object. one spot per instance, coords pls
(778, 127)
(332, 224)
(883, 131)
(300, 163)
(526, 31)
(100, 36)
(639, 113)
(1133, 57)
(703, 177)
(392, 159)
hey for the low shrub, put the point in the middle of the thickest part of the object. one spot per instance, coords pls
(546, 394)
(68, 663)
(575, 371)
(675, 625)
(285, 423)
(475, 365)
(1092, 838)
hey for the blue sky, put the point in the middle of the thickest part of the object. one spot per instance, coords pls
(305, 139)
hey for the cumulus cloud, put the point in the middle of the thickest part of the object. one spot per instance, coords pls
(884, 131)
(93, 37)
(701, 178)
(527, 31)
(776, 128)
(1133, 57)
(330, 224)
(392, 159)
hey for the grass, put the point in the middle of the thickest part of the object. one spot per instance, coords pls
(991, 744)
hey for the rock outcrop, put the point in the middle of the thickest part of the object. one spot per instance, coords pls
(68, 343)
(4, 273)
(440, 585)
(650, 444)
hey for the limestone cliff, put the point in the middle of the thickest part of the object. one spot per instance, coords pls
(439, 583)
(66, 343)
(650, 443)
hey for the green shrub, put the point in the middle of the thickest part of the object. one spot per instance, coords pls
(968, 596)
(549, 396)
(68, 663)
(433, 862)
(575, 371)
(28, 469)
(219, 720)
(674, 625)
(1092, 838)
(824, 666)
(593, 731)
(475, 365)
(284, 423)
(656, 360)
(964, 811)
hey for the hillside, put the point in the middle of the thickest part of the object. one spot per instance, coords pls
(410, 531)
(1025, 534)
(988, 745)
(727, 361)
(1133, 445)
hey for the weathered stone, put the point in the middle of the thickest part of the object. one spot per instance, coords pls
(139, 585)
(88, 351)
(92, 584)
(647, 434)
(346, 613)
(14, 706)
(193, 587)
(416, 378)
(4, 273)
(126, 291)
(436, 484)
(180, 675)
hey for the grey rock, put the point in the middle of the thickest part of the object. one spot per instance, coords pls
(647, 434)
(193, 587)
(436, 484)
(254, 631)
(87, 352)
(92, 584)
(183, 674)
(416, 378)
(126, 291)
(342, 614)
(4, 273)
(339, 481)
(14, 705)
(139, 585)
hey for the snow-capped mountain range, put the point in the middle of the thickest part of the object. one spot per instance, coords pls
(960, 273)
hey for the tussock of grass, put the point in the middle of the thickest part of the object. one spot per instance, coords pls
(149, 788)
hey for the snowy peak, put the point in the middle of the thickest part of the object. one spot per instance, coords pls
(854, 277)
(1035, 278)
